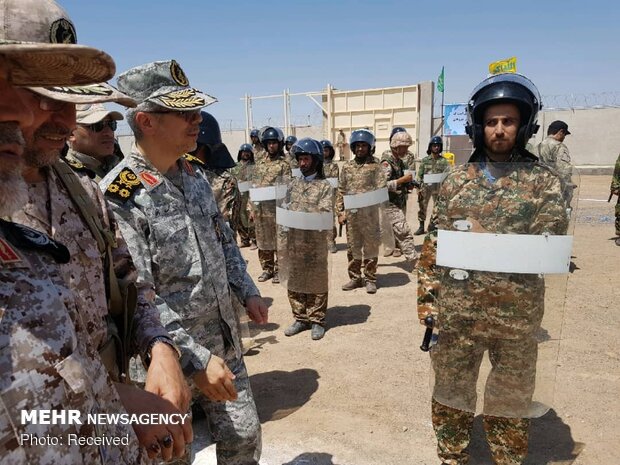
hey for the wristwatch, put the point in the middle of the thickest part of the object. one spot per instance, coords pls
(160, 340)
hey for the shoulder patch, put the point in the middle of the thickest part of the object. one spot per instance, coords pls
(7, 254)
(193, 159)
(27, 238)
(124, 185)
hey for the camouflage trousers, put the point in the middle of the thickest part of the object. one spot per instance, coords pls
(507, 437)
(308, 308)
(425, 194)
(268, 260)
(246, 233)
(355, 267)
(234, 426)
(402, 232)
(618, 216)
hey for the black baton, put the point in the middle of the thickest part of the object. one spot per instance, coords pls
(429, 321)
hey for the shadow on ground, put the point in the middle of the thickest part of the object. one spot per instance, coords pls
(279, 393)
(392, 279)
(551, 443)
(344, 316)
(312, 458)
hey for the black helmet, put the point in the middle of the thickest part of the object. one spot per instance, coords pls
(245, 148)
(254, 133)
(271, 133)
(396, 129)
(362, 135)
(290, 140)
(308, 146)
(511, 88)
(328, 145)
(209, 130)
(219, 157)
(434, 140)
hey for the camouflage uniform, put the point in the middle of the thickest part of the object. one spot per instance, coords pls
(363, 225)
(226, 192)
(615, 188)
(266, 173)
(51, 209)
(394, 169)
(245, 227)
(260, 154)
(554, 154)
(426, 192)
(504, 314)
(48, 361)
(305, 251)
(99, 168)
(182, 244)
(331, 170)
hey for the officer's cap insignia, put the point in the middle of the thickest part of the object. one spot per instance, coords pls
(7, 254)
(182, 99)
(178, 75)
(75, 164)
(124, 185)
(93, 89)
(62, 32)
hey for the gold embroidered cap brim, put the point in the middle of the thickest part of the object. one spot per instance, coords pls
(94, 93)
(183, 99)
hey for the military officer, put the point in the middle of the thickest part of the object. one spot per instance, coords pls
(429, 177)
(167, 212)
(553, 152)
(505, 191)
(305, 221)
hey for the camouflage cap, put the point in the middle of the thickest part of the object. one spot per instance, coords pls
(38, 47)
(91, 114)
(94, 93)
(401, 138)
(163, 83)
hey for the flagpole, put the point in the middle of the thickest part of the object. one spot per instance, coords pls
(442, 113)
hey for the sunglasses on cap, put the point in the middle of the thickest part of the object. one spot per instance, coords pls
(101, 125)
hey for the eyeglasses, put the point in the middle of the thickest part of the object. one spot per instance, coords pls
(49, 104)
(101, 125)
(186, 115)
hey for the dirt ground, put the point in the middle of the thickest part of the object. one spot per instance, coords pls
(361, 395)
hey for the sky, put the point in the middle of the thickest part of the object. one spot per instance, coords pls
(232, 48)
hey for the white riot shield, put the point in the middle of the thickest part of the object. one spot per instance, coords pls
(503, 252)
(265, 190)
(305, 219)
(365, 199)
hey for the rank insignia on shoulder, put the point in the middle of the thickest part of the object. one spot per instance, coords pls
(31, 239)
(80, 168)
(124, 185)
(193, 159)
(7, 254)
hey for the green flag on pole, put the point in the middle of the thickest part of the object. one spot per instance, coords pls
(440, 81)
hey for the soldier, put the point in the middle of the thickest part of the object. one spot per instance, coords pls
(257, 147)
(72, 210)
(397, 180)
(91, 144)
(304, 219)
(502, 190)
(263, 201)
(361, 190)
(166, 210)
(218, 164)
(288, 143)
(243, 174)
(341, 141)
(615, 190)
(429, 178)
(554, 153)
(332, 172)
(52, 363)
(408, 159)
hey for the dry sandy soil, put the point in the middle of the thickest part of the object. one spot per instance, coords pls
(361, 395)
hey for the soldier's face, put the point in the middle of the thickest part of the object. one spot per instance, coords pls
(177, 131)
(362, 149)
(245, 155)
(400, 151)
(46, 136)
(98, 144)
(306, 164)
(501, 126)
(272, 147)
(435, 148)
(327, 153)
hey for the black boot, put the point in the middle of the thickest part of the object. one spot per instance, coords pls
(420, 230)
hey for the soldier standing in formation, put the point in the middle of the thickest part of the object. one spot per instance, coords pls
(257, 147)
(180, 241)
(218, 164)
(554, 153)
(305, 220)
(332, 172)
(430, 174)
(397, 181)
(243, 174)
(360, 193)
(615, 190)
(289, 157)
(263, 201)
(505, 191)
